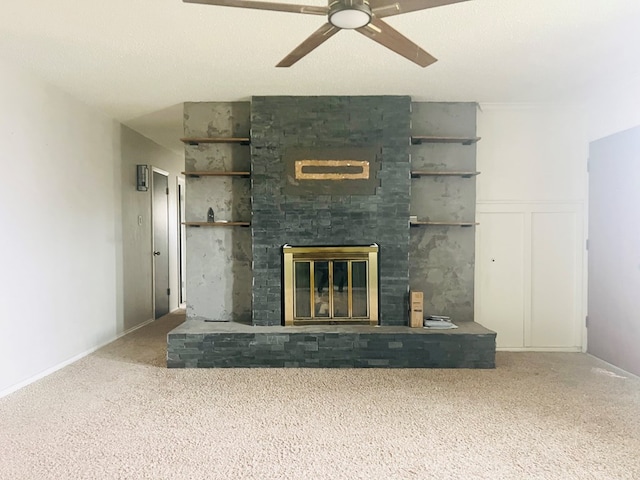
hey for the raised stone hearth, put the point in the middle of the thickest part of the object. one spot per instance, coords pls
(229, 344)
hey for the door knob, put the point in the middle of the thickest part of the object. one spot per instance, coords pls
(156, 253)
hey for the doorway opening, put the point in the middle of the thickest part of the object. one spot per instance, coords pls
(182, 235)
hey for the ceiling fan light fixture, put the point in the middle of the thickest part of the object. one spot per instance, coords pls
(349, 16)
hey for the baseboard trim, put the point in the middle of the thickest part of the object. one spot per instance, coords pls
(617, 369)
(55, 368)
(540, 349)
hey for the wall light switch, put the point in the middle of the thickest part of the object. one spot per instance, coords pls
(139, 219)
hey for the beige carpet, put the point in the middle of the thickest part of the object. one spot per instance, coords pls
(119, 414)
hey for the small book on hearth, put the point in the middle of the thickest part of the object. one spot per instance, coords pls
(438, 322)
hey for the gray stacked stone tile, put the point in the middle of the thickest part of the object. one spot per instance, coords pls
(472, 346)
(280, 123)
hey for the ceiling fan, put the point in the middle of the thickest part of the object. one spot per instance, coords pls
(364, 16)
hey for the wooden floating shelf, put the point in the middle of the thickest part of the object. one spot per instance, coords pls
(420, 139)
(198, 141)
(429, 173)
(217, 224)
(444, 224)
(216, 174)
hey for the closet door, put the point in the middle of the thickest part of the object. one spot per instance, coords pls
(555, 281)
(500, 276)
(529, 275)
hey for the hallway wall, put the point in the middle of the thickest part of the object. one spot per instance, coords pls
(136, 235)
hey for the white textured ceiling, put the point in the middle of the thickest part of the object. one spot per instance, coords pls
(138, 60)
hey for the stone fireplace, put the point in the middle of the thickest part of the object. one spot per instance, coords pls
(313, 253)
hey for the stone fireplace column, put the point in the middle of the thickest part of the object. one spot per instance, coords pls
(218, 257)
(333, 216)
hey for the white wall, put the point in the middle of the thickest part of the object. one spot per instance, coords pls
(613, 109)
(65, 188)
(531, 206)
(59, 209)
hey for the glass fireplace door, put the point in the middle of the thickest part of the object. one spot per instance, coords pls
(331, 289)
(331, 286)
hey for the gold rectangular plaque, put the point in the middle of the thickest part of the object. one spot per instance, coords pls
(332, 170)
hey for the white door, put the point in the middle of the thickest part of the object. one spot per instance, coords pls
(556, 256)
(500, 261)
(529, 275)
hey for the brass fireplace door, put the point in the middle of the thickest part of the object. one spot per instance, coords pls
(331, 284)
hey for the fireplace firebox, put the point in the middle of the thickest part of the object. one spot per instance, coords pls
(330, 285)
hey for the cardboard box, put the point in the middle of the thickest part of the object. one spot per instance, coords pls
(416, 315)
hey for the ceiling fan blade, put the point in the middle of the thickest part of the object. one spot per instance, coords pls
(381, 32)
(386, 8)
(325, 32)
(279, 7)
